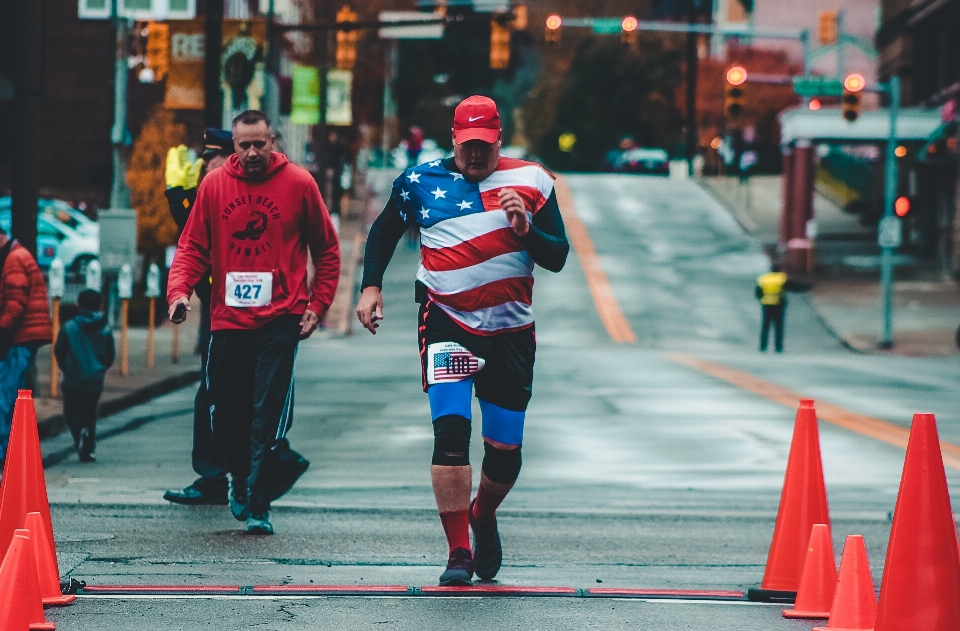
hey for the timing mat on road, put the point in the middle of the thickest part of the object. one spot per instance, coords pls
(411, 591)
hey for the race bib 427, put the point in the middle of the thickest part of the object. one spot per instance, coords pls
(249, 289)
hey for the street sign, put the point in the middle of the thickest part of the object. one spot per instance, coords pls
(889, 234)
(339, 107)
(306, 95)
(607, 26)
(118, 239)
(417, 31)
(138, 9)
(817, 86)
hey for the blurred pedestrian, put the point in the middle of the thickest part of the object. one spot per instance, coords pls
(414, 146)
(183, 177)
(24, 324)
(485, 220)
(253, 223)
(771, 291)
(84, 352)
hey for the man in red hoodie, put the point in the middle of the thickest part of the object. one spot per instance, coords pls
(253, 221)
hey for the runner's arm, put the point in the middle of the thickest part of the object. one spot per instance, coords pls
(384, 235)
(547, 240)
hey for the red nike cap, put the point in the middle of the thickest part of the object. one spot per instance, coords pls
(476, 118)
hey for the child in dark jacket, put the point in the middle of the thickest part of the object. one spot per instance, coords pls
(84, 351)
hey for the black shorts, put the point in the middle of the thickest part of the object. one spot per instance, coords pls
(507, 378)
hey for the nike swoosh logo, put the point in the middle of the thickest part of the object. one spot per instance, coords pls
(474, 118)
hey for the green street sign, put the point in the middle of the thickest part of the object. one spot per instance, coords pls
(817, 86)
(607, 26)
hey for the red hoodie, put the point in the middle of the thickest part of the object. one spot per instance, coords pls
(254, 234)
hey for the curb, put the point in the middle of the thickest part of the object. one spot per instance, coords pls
(844, 342)
(53, 425)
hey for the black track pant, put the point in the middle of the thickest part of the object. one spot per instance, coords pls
(207, 459)
(80, 412)
(250, 382)
(772, 316)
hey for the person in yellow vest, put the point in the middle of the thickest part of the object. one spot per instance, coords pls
(771, 291)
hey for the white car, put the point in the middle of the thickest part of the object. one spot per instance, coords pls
(55, 239)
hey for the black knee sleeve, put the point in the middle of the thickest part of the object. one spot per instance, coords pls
(501, 465)
(451, 441)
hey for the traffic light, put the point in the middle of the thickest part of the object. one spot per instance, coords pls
(734, 94)
(827, 31)
(158, 49)
(519, 17)
(853, 85)
(346, 40)
(499, 45)
(901, 206)
(629, 36)
(552, 33)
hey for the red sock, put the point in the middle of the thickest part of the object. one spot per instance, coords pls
(456, 526)
(485, 506)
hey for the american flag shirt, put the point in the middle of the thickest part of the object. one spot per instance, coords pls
(473, 264)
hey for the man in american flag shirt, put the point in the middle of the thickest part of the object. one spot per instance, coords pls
(484, 221)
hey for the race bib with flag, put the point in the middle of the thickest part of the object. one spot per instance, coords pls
(249, 289)
(448, 361)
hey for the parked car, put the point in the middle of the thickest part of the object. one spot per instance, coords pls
(62, 212)
(642, 160)
(55, 239)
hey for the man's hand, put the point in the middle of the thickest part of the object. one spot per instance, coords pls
(512, 204)
(370, 308)
(172, 310)
(308, 324)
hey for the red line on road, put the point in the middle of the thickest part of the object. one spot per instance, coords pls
(498, 590)
(321, 590)
(161, 589)
(612, 592)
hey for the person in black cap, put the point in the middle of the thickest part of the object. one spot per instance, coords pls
(183, 177)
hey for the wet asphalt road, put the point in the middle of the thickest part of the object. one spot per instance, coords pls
(638, 471)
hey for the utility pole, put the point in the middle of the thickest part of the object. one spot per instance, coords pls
(212, 96)
(119, 193)
(890, 228)
(25, 154)
(692, 60)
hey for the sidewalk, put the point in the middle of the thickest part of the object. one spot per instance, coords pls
(846, 294)
(141, 383)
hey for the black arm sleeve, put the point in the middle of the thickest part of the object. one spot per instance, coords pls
(384, 235)
(547, 240)
(181, 203)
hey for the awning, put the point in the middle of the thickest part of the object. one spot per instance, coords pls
(828, 124)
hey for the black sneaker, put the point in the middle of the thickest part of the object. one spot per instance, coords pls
(238, 503)
(259, 524)
(488, 554)
(85, 446)
(204, 491)
(459, 568)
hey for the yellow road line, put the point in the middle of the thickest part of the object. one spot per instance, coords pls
(859, 423)
(606, 302)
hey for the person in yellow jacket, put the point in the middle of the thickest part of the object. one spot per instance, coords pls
(771, 291)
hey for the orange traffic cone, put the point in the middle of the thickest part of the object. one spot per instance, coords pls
(921, 576)
(24, 488)
(13, 615)
(30, 584)
(855, 604)
(803, 503)
(818, 581)
(47, 570)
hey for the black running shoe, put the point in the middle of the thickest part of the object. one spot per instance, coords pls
(459, 568)
(204, 491)
(238, 503)
(488, 554)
